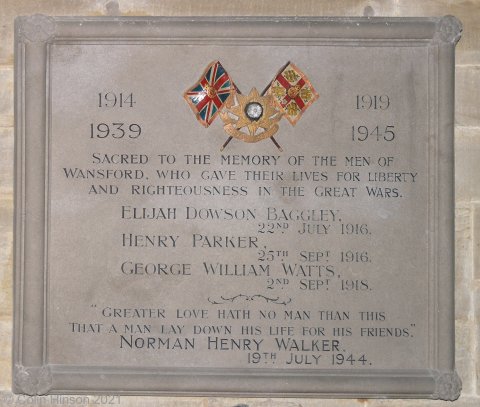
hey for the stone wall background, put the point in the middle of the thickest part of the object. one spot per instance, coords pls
(467, 177)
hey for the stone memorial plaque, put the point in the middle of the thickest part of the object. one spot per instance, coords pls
(235, 206)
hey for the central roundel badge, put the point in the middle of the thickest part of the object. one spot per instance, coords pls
(254, 110)
(252, 118)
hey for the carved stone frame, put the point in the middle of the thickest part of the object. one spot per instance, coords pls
(31, 372)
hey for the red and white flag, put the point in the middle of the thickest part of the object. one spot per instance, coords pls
(292, 92)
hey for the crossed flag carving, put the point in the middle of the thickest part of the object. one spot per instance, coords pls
(288, 95)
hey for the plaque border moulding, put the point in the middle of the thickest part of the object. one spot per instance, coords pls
(33, 375)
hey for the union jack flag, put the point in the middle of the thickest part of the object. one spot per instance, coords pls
(209, 94)
(292, 92)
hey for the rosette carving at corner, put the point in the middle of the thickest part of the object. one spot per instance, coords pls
(447, 386)
(36, 28)
(34, 381)
(449, 29)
